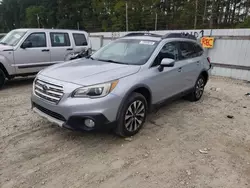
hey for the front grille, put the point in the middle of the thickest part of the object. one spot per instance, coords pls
(49, 112)
(48, 91)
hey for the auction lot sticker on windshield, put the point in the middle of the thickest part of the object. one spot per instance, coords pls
(147, 42)
(17, 36)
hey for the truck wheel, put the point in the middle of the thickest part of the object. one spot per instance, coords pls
(2, 78)
(198, 90)
(132, 116)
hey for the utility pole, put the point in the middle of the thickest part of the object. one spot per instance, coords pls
(126, 15)
(205, 12)
(212, 15)
(196, 12)
(78, 24)
(156, 20)
(38, 20)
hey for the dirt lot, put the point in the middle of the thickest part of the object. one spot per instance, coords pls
(191, 145)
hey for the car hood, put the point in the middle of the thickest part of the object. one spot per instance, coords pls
(88, 72)
(5, 47)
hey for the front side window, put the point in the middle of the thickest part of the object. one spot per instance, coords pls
(169, 50)
(12, 38)
(37, 40)
(59, 39)
(127, 51)
(80, 39)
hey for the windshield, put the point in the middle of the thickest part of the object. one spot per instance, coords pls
(126, 51)
(12, 38)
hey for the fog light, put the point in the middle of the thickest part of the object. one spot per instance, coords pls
(89, 123)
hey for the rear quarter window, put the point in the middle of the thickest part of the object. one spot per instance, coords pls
(198, 50)
(187, 50)
(80, 39)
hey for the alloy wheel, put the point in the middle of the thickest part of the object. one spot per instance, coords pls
(199, 88)
(135, 116)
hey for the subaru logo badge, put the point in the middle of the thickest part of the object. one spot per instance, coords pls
(45, 88)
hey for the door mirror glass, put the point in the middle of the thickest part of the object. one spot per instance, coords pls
(26, 44)
(167, 62)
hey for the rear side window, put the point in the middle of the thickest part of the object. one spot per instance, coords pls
(198, 50)
(80, 39)
(59, 39)
(187, 50)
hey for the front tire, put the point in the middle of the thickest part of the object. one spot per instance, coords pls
(198, 90)
(132, 116)
(2, 79)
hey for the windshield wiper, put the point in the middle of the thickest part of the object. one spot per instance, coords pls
(3, 43)
(112, 61)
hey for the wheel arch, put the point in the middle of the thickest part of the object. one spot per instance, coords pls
(140, 88)
(4, 70)
(205, 74)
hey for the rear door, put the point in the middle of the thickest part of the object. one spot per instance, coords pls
(189, 56)
(61, 46)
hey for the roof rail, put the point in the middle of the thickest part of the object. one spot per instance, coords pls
(179, 35)
(142, 34)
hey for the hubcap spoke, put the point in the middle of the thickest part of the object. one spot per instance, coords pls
(137, 120)
(129, 125)
(130, 110)
(128, 116)
(140, 114)
(140, 110)
(138, 106)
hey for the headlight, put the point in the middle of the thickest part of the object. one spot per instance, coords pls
(95, 91)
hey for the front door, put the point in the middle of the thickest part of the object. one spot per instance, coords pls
(35, 57)
(61, 46)
(166, 83)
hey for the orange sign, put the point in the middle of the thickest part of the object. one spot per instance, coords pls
(207, 42)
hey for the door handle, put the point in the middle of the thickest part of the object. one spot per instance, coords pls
(198, 63)
(45, 50)
(69, 49)
(180, 69)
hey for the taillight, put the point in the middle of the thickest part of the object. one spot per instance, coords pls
(208, 59)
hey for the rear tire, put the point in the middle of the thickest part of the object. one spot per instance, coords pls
(198, 90)
(132, 116)
(2, 79)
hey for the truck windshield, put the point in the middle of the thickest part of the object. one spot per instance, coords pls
(126, 51)
(12, 38)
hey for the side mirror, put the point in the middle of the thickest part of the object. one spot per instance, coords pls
(26, 44)
(166, 62)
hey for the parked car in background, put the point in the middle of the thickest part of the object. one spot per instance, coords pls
(2, 35)
(27, 51)
(117, 85)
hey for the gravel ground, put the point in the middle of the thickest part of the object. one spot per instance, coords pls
(183, 145)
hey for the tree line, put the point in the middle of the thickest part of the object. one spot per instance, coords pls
(110, 15)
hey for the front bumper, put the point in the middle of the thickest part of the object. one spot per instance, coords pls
(72, 112)
(75, 122)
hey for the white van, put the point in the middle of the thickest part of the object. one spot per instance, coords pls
(27, 51)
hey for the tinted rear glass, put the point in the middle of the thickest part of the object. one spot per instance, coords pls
(80, 39)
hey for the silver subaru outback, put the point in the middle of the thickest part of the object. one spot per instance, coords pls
(116, 87)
